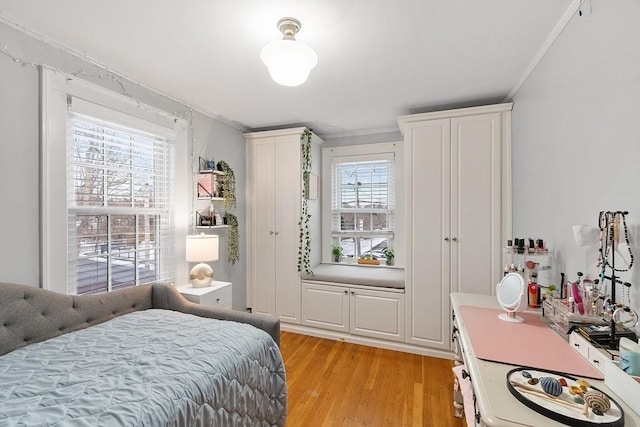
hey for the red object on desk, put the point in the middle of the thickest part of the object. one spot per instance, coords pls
(529, 344)
(533, 295)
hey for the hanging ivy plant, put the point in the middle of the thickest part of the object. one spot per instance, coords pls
(228, 186)
(228, 181)
(233, 238)
(304, 246)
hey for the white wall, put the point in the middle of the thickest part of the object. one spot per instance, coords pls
(20, 154)
(576, 135)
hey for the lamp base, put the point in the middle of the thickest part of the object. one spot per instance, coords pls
(201, 275)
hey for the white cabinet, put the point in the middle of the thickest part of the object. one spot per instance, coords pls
(218, 294)
(274, 199)
(364, 312)
(457, 171)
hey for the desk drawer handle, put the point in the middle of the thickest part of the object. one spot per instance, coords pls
(576, 345)
(596, 361)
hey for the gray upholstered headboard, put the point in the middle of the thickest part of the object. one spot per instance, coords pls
(29, 315)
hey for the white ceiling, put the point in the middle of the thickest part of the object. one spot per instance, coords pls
(377, 59)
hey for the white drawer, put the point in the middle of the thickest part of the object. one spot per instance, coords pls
(598, 359)
(579, 344)
(217, 295)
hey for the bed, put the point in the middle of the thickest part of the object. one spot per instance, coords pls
(140, 356)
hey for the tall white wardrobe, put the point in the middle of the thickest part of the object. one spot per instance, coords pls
(274, 201)
(458, 183)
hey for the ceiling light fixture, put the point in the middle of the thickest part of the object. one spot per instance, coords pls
(289, 62)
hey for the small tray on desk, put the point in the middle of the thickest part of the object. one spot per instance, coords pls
(561, 408)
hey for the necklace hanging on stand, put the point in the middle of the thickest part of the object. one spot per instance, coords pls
(614, 237)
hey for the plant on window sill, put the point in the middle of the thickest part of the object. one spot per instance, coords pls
(336, 251)
(389, 255)
(368, 259)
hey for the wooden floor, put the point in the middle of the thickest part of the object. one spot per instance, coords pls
(332, 383)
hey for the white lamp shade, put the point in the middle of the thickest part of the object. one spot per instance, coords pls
(202, 247)
(289, 62)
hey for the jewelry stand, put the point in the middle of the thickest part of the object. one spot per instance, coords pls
(612, 265)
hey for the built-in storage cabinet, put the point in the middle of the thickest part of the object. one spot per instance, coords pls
(458, 212)
(274, 201)
(352, 310)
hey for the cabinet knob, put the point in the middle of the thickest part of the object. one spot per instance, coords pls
(277, 232)
(446, 239)
(465, 374)
(270, 231)
(353, 292)
(455, 239)
(346, 292)
(217, 299)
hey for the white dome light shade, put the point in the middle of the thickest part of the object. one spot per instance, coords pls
(289, 62)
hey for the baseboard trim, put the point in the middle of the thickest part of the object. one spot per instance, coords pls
(371, 342)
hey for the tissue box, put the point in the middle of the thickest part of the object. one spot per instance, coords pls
(626, 386)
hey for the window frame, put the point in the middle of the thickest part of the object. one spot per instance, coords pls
(364, 152)
(56, 87)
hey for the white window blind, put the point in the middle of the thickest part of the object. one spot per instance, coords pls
(119, 200)
(363, 203)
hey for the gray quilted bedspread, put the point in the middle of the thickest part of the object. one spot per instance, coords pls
(147, 368)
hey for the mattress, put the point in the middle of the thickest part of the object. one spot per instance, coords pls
(147, 368)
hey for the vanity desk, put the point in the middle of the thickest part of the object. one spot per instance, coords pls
(494, 403)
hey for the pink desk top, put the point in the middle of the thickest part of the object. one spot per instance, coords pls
(530, 344)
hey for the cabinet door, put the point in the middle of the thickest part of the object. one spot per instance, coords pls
(262, 244)
(428, 160)
(377, 314)
(325, 307)
(476, 203)
(287, 199)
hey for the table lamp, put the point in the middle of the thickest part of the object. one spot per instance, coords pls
(201, 248)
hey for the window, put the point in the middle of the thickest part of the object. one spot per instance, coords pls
(362, 199)
(115, 187)
(362, 205)
(119, 205)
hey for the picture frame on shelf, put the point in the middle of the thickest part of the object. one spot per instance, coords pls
(206, 165)
(209, 186)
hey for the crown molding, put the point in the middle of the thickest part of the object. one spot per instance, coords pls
(553, 36)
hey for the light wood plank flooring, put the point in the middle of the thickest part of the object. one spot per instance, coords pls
(332, 383)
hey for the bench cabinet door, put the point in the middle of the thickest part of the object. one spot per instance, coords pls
(377, 314)
(325, 307)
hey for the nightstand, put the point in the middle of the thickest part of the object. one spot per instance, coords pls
(217, 295)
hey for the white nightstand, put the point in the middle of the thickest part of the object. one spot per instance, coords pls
(217, 295)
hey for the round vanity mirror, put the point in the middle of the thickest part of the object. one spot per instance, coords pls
(512, 297)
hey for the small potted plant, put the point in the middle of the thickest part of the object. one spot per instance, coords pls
(336, 251)
(389, 255)
(369, 259)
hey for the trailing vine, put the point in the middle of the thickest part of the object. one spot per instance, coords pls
(233, 238)
(228, 186)
(228, 181)
(304, 246)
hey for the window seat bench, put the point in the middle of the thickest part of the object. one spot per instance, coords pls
(375, 276)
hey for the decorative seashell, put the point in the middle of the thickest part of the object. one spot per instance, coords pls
(551, 386)
(583, 383)
(574, 389)
(533, 381)
(579, 400)
(597, 400)
(562, 382)
(526, 374)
